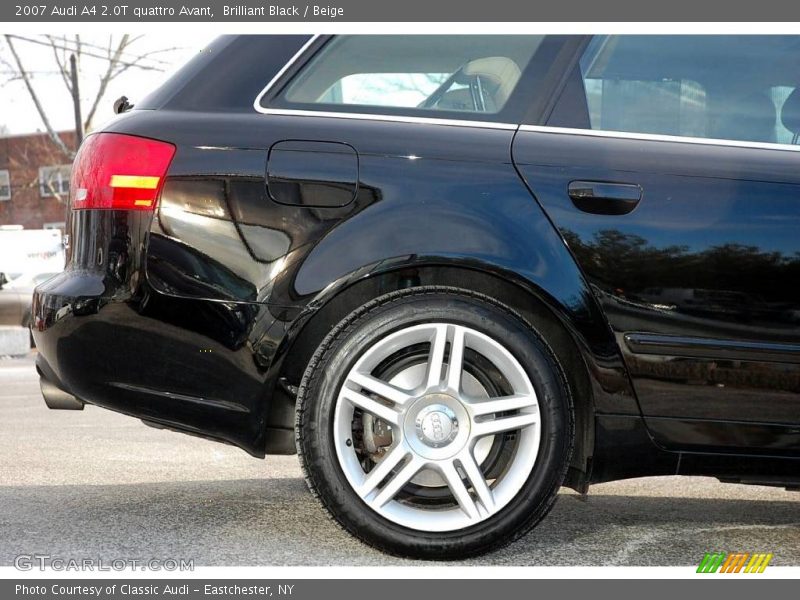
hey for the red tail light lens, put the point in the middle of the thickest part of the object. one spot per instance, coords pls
(119, 172)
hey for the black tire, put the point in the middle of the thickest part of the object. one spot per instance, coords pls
(341, 348)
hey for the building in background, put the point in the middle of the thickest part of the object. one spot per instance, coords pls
(34, 180)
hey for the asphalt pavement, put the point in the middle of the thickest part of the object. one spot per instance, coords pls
(96, 484)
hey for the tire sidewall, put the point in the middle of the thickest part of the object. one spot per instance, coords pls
(344, 347)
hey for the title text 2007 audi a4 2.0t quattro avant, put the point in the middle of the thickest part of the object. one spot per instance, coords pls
(453, 273)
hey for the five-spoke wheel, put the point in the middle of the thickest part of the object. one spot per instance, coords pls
(435, 423)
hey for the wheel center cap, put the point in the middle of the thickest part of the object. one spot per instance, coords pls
(436, 425)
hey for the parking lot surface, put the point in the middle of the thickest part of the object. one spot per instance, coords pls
(96, 484)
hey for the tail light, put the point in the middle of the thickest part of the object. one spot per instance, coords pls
(119, 172)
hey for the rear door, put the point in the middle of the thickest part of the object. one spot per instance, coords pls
(670, 166)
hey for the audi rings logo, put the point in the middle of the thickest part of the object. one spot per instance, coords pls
(437, 432)
(436, 425)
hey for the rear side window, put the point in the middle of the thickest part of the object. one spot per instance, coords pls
(464, 74)
(739, 88)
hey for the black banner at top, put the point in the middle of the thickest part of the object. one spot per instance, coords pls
(131, 11)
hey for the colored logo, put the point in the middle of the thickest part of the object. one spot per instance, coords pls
(735, 562)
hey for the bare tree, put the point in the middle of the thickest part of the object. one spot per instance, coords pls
(116, 54)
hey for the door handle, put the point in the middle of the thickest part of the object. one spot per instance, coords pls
(603, 197)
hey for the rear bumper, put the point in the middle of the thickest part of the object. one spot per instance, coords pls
(192, 365)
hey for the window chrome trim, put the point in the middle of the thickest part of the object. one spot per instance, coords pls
(279, 74)
(624, 135)
(389, 118)
(653, 137)
(361, 116)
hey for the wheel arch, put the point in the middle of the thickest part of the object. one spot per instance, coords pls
(536, 307)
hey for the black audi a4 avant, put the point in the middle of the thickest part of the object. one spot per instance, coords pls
(452, 273)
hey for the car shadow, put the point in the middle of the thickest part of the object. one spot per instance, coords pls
(277, 522)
